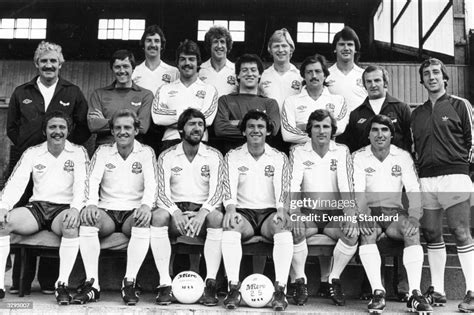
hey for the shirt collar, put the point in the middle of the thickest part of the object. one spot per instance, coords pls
(394, 151)
(112, 86)
(269, 151)
(208, 64)
(137, 147)
(202, 150)
(67, 147)
(309, 147)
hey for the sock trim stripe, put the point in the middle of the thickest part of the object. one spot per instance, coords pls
(435, 246)
(465, 249)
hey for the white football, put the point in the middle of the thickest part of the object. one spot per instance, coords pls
(257, 290)
(187, 287)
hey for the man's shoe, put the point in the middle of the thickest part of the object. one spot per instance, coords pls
(467, 304)
(301, 293)
(418, 303)
(129, 292)
(279, 302)
(435, 298)
(16, 290)
(62, 294)
(323, 290)
(86, 293)
(291, 290)
(403, 296)
(209, 297)
(48, 290)
(377, 303)
(335, 291)
(164, 295)
(233, 298)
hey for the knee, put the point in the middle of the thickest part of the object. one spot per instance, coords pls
(432, 235)
(214, 219)
(368, 239)
(69, 232)
(462, 234)
(160, 217)
(298, 239)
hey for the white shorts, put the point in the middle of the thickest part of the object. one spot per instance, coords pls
(445, 191)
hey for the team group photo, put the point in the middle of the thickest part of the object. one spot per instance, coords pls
(243, 168)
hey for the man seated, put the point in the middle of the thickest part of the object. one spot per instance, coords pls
(121, 191)
(322, 172)
(381, 170)
(58, 169)
(189, 202)
(257, 189)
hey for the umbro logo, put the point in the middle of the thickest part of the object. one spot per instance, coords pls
(369, 170)
(176, 169)
(172, 93)
(243, 169)
(27, 101)
(445, 118)
(361, 121)
(40, 167)
(308, 163)
(110, 166)
(301, 108)
(136, 103)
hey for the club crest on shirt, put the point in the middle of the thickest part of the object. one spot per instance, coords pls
(64, 103)
(269, 170)
(333, 165)
(231, 80)
(176, 169)
(445, 118)
(27, 101)
(137, 168)
(166, 78)
(330, 107)
(39, 167)
(359, 82)
(205, 171)
(369, 170)
(110, 166)
(308, 163)
(201, 94)
(265, 84)
(242, 170)
(396, 170)
(68, 166)
(296, 85)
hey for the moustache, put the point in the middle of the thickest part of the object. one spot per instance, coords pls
(153, 48)
(55, 134)
(48, 69)
(187, 67)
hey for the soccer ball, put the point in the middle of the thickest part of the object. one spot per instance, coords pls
(187, 287)
(257, 290)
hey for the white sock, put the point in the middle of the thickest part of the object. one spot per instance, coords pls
(232, 254)
(325, 267)
(90, 250)
(370, 257)
(137, 250)
(343, 253)
(161, 249)
(466, 258)
(67, 257)
(413, 262)
(282, 255)
(4, 252)
(437, 260)
(300, 253)
(213, 252)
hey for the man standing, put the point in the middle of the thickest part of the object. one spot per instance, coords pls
(28, 106)
(257, 190)
(442, 134)
(313, 96)
(345, 76)
(189, 91)
(322, 170)
(190, 197)
(152, 73)
(121, 191)
(218, 71)
(58, 169)
(233, 107)
(378, 102)
(381, 171)
(123, 93)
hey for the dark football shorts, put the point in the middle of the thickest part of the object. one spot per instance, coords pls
(119, 217)
(320, 218)
(256, 217)
(45, 212)
(389, 213)
(188, 206)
